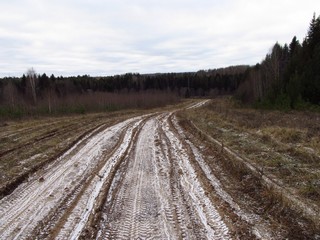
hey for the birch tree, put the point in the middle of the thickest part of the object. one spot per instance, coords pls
(32, 77)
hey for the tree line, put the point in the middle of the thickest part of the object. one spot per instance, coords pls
(289, 76)
(201, 83)
(32, 90)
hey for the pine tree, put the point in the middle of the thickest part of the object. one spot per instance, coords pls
(294, 46)
(313, 37)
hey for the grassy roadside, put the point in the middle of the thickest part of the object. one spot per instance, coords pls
(282, 146)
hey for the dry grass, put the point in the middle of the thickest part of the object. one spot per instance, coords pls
(281, 146)
(284, 134)
(285, 145)
(249, 189)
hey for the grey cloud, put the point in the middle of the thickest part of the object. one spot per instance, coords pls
(104, 37)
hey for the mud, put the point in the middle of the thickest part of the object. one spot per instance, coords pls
(138, 179)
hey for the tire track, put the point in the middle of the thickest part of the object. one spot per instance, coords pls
(134, 180)
(159, 196)
(215, 183)
(181, 222)
(28, 163)
(206, 214)
(24, 209)
(88, 199)
(135, 212)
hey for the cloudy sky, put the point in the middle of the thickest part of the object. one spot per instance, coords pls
(106, 37)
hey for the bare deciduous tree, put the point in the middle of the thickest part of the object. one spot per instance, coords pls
(10, 94)
(32, 77)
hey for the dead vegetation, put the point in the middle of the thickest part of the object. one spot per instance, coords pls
(282, 146)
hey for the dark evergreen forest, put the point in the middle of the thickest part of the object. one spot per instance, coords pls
(289, 76)
(201, 83)
(51, 94)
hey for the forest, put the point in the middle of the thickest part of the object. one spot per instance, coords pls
(287, 78)
(41, 94)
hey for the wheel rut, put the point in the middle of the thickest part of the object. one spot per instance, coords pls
(133, 180)
(26, 208)
(159, 196)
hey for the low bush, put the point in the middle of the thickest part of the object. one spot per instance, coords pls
(86, 103)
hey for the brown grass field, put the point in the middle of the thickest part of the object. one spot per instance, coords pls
(281, 147)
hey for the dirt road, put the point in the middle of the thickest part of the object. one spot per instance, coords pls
(137, 179)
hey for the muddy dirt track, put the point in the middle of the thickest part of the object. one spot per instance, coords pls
(137, 179)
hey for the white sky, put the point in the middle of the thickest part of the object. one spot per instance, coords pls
(107, 37)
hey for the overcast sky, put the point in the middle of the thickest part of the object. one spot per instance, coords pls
(107, 37)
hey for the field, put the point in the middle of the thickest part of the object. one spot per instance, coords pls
(203, 169)
(274, 156)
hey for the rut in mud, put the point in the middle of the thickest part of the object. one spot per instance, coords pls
(134, 180)
(157, 194)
